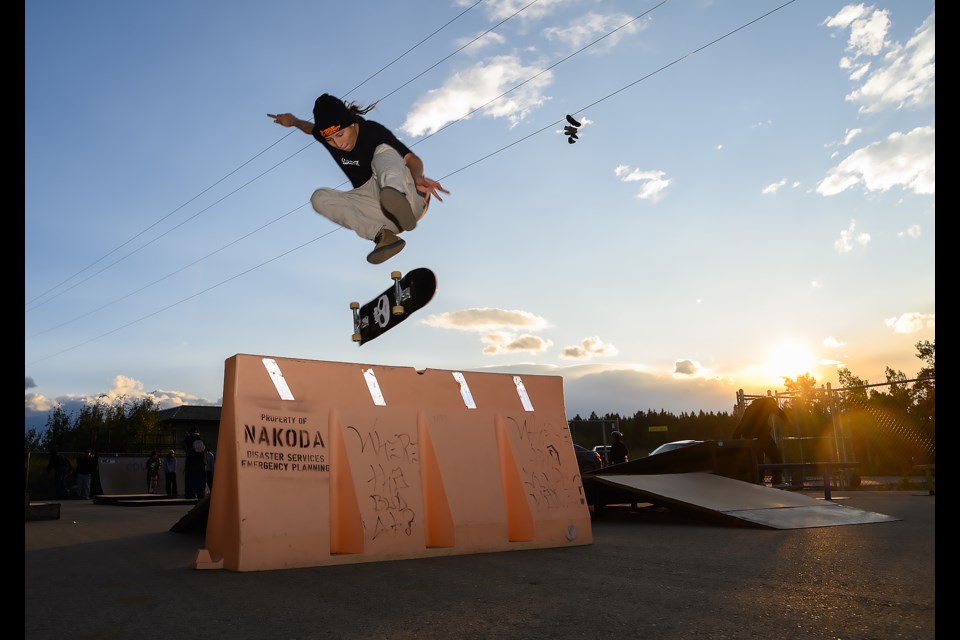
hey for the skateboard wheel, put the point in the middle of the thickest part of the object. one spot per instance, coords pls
(354, 305)
(397, 310)
(356, 337)
(395, 275)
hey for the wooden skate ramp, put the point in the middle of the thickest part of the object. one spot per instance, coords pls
(331, 463)
(712, 496)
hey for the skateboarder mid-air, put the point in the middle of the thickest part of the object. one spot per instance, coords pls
(390, 192)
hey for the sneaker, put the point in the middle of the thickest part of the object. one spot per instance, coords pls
(389, 244)
(397, 207)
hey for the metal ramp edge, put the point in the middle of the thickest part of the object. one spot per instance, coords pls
(716, 497)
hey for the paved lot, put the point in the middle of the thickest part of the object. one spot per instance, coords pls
(110, 572)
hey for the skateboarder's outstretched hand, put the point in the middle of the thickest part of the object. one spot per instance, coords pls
(426, 186)
(430, 187)
(290, 120)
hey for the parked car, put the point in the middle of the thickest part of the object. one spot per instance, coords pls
(602, 450)
(676, 444)
(587, 460)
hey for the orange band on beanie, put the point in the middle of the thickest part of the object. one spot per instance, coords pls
(329, 131)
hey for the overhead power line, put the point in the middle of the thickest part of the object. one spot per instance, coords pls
(50, 291)
(551, 125)
(403, 55)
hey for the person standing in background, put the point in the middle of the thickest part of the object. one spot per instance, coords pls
(86, 466)
(170, 473)
(618, 450)
(153, 472)
(195, 477)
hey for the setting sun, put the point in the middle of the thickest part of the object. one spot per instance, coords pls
(790, 360)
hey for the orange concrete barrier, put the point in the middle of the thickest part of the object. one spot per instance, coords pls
(323, 463)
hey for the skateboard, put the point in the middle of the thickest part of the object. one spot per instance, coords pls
(407, 294)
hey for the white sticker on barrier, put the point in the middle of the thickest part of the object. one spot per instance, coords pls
(277, 376)
(374, 387)
(465, 390)
(522, 392)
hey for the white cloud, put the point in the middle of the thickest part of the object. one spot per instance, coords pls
(832, 343)
(503, 9)
(652, 182)
(500, 343)
(587, 28)
(850, 135)
(481, 88)
(848, 238)
(487, 319)
(124, 389)
(37, 402)
(905, 75)
(773, 188)
(503, 331)
(901, 159)
(169, 399)
(910, 322)
(626, 389)
(588, 348)
(913, 231)
(868, 28)
(480, 41)
(686, 367)
(29, 383)
(826, 362)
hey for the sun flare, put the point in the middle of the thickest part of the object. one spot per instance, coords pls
(790, 360)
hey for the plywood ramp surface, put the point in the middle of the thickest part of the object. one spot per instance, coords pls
(708, 494)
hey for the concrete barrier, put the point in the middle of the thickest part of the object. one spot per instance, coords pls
(325, 463)
(128, 475)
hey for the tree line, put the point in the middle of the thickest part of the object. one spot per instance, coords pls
(120, 426)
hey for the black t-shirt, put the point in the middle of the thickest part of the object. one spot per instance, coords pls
(618, 452)
(357, 163)
(86, 466)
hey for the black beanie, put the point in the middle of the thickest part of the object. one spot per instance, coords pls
(330, 115)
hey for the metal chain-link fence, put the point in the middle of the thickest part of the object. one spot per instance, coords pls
(887, 428)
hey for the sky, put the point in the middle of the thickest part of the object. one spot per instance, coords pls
(750, 196)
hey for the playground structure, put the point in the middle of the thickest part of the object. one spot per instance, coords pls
(858, 430)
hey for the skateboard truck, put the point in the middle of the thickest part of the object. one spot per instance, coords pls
(397, 309)
(355, 307)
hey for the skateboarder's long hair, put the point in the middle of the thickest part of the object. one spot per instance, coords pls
(357, 110)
